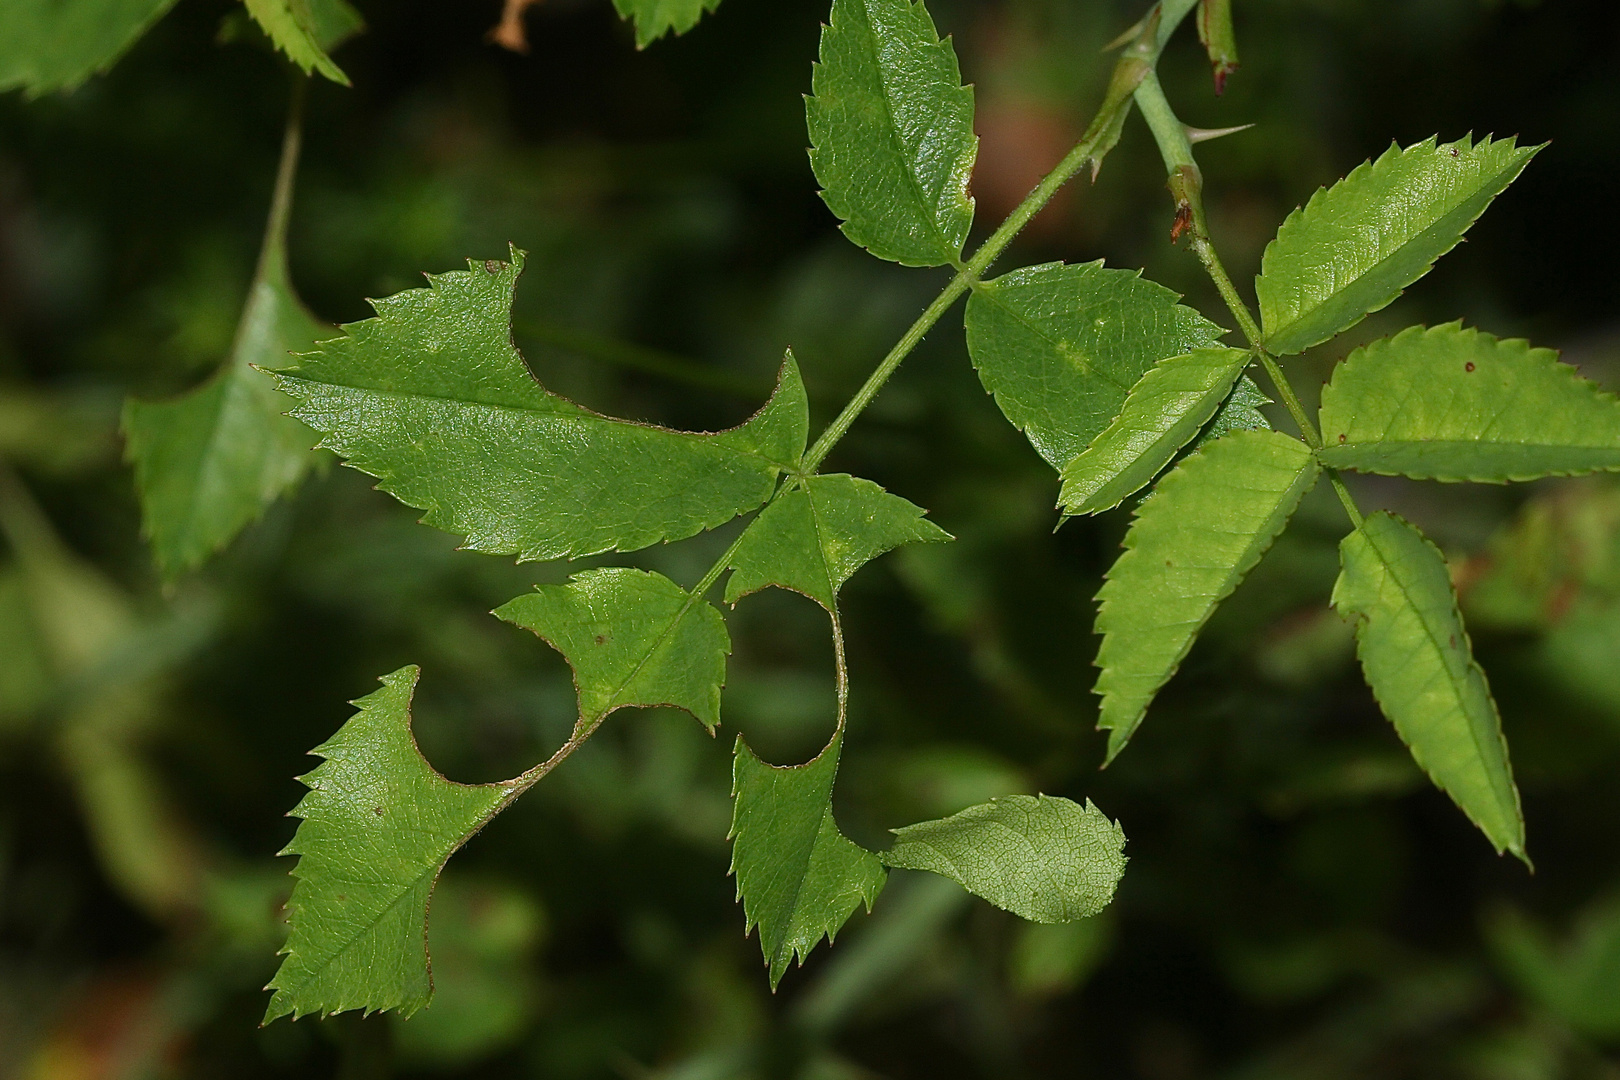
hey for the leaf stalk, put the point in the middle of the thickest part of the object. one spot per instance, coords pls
(1186, 186)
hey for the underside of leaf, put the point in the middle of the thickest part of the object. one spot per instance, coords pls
(1451, 403)
(1358, 244)
(1208, 523)
(1042, 858)
(432, 398)
(1394, 586)
(378, 826)
(798, 877)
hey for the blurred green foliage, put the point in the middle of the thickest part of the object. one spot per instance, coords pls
(1299, 904)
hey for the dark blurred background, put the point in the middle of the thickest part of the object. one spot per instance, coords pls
(1300, 903)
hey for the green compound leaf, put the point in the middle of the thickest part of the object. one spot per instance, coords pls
(1394, 586)
(1061, 347)
(378, 826)
(813, 538)
(1356, 245)
(432, 398)
(655, 18)
(306, 29)
(212, 460)
(798, 877)
(633, 638)
(1046, 859)
(1456, 404)
(1208, 523)
(1163, 412)
(45, 47)
(891, 130)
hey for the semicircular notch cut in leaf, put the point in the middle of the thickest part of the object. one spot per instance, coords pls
(211, 461)
(655, 18)
(813, 538)
(1061, 346)
(1046, 859)
(378, 826)
(432, 398)
(891, 131)
(306, 30)
(45, 47)
(1163, 412)
(798, 877)
(1358, 244)
(1208, 523)
(1394, 586)
(633, 637)
(1450, 403)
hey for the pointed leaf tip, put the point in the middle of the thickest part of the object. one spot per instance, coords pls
(1355, 246)
(1394, 586)
(378, 825)
(1206, 526)
(798, 877)
(432, 398)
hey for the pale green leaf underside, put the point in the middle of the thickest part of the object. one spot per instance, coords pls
(633, 638)
(891, 131)
(1045, 859)
(1356, 245)
(378, 825)
(1457, 404)
(655, 18)
(1061, 346)
(813, 538)
(306, 29)
(45, 47)
(1394, 586)
(432, 398)
(1163, 413)
(798, 877)
(211, 461)
(1208, 523)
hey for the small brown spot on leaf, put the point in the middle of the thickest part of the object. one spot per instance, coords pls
(601, 639)
(1453, 641)
(1468, 366)
(1167, 562)
(492, 265)
(377, 810)
(1341, 437)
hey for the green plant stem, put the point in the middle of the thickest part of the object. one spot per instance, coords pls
(273, 252)
(1147, 49)
(1186, 184)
